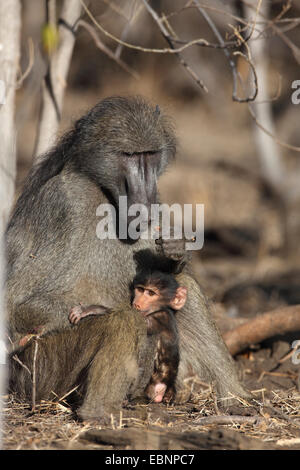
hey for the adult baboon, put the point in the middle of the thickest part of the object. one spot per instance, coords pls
(55, 259)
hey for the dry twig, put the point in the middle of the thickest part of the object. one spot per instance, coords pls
(33, 404)
(166, 50)
(278, 141)
(105, 49)
(166, 35)
(229, 419)
(228, 55)
(30, 63)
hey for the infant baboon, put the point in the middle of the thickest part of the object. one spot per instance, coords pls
(157, 296)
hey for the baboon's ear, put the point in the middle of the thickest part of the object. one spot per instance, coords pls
(180, 298)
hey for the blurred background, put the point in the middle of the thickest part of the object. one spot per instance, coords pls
(249, 184)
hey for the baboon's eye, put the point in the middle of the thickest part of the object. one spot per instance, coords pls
(138, 154)
(151, 293)
(140, 289)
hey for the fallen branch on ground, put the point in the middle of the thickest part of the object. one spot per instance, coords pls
(229, 419)
(275, 322)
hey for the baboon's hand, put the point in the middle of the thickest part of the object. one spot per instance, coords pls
(79, 311)
(23, 341)
(174, 248)
(76, 313)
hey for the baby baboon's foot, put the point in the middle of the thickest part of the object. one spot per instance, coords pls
(156, 392)
(169, 396)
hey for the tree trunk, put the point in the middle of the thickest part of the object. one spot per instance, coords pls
(269, 154)
(57, 75)
(10, 27)
(268, 151)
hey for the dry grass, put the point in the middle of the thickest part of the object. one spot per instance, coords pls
(53, 425)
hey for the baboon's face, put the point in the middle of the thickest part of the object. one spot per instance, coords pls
(129, 143)
(147, 299)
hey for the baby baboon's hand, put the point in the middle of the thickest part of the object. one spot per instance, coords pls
(79, 311)
(76, 313)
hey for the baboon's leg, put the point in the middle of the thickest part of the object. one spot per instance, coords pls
(109, 378)
(38, 314)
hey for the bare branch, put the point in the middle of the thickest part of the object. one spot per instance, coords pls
(222, 43)
(284, 10)
(279, 321)
(68, 393)
(212, 45)
(276, 95)
(229, 419)
(278, 141)
(30, 63)
(165, 34)
(229, 57)
(106, 49)
(115, 8)
(295, 49)
(15, 358)
(254, 94)
(36, 345)
(166, 50)
(258, 6)
(134, 15)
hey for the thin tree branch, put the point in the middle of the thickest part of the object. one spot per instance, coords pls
(272, 22)
(165, 34)
(295, 49)
(229, 56)
(227, 45)
(33, 396)
(278, 141)
(254, 94)
(228, 419)
(115, 8)
(222, 43)
(30, 63)
(91, 30)
(294, 22)
(134, 15)
(15, 358)
(276, 95)
(166, 50)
